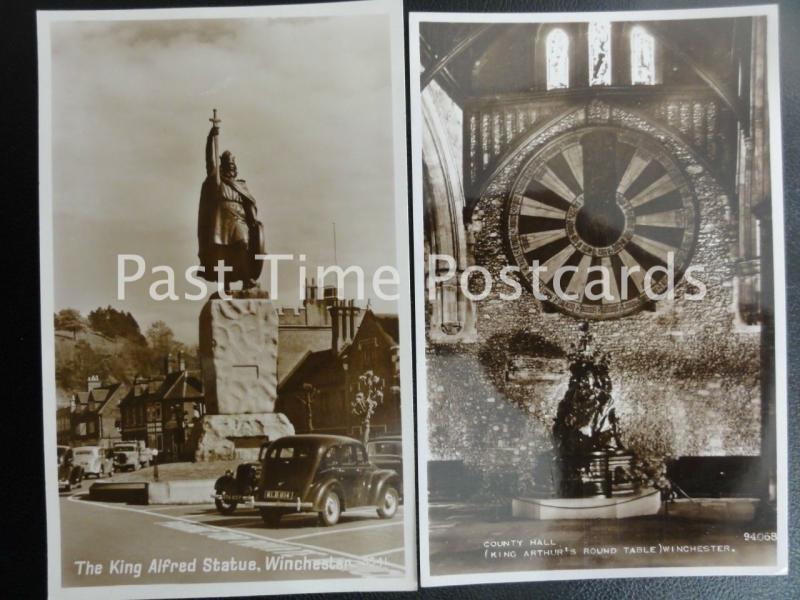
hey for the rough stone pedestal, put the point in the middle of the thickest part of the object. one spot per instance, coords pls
(239, 358)
(227, 437)
(239, 355)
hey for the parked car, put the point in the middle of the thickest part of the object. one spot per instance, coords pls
(69, 473)
(132, 455)
(94, 461)
(231, 489)
(386, 452)
(126, 456)
(323, 474)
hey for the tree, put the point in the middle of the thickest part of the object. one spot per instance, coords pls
(367, 399)
(162, 343)
(115, 324)
(69, 319)
(308, 397)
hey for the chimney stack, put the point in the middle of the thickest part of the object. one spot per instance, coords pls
(343, 323)
(167, 363)
(92, 382)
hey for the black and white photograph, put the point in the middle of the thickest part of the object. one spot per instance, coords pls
(225, 301)
(599, 294)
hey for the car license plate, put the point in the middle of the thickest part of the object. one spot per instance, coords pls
(233, 498)
(279, 495)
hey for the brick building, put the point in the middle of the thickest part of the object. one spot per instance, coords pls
(306, 328)
(93, 415)
(162, 411)
(317, 394)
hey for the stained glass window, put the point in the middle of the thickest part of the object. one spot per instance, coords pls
(557, 59)
(600, 53)
(643, 57)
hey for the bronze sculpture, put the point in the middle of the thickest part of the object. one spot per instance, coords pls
(591, 457)
(228, 228)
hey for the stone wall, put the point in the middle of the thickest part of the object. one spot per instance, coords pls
(686, 378)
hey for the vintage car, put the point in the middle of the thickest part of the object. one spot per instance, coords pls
(94, 460)
(69, 473)
(131, 455)
(323, 474)
(231, 489)
(386, 452)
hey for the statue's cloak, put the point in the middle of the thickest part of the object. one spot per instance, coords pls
(212, 213)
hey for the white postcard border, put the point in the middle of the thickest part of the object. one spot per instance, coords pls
(773, 76)
(408, 581)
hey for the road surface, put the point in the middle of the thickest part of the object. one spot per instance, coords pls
(119, 544)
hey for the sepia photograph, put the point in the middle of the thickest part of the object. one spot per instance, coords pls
(226, 322)
(599, 294)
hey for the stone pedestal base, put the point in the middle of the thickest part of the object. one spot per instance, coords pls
(229, 437)
(239, 355)
(645, 502)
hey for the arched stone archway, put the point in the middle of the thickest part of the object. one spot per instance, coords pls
(452, 314)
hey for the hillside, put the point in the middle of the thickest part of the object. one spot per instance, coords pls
(66, 343)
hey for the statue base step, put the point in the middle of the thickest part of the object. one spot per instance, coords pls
(646, 501)
(239, 436)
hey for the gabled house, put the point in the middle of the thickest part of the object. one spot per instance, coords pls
(318, 394)
(162, 411)
(95, 414)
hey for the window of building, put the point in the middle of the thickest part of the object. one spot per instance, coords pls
(557, 52)
(643, 57)
(600, 53)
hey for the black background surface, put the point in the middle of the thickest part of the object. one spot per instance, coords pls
(21, 466)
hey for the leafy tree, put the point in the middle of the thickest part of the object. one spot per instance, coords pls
(162, 343)
(308, 397)
(115, 324)
(367, 399)
(69, 319)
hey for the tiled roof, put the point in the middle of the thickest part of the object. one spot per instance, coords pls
(310, 365)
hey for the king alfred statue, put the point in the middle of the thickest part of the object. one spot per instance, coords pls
(228, 228)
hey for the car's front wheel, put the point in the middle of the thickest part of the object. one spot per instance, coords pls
(331, 509)
(225, 508)
(387, 504)
(271, 517)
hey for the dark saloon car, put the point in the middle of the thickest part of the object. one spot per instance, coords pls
(69, 473)
(233, 489)
(323, 474)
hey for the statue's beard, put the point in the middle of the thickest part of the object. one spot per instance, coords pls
(229, 171)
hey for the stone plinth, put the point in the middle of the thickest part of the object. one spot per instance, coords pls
(645, 502)
(238, 354)
(228, 437)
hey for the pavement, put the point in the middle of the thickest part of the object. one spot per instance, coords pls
(468, 538)
(118, 544)
(178, 471)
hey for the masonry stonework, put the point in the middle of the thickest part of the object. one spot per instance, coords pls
(686, 378)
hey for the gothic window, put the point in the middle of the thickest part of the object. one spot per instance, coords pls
(643, 57)
(600, 53)
(557, 48)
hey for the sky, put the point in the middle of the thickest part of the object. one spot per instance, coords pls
(305, 107)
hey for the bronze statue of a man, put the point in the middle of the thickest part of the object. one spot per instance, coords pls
(228, 228)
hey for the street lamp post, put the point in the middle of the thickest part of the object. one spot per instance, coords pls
(155, 463)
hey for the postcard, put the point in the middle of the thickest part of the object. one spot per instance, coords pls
(599, 294)
(226, 321)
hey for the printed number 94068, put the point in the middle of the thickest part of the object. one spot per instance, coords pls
(761, 536)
